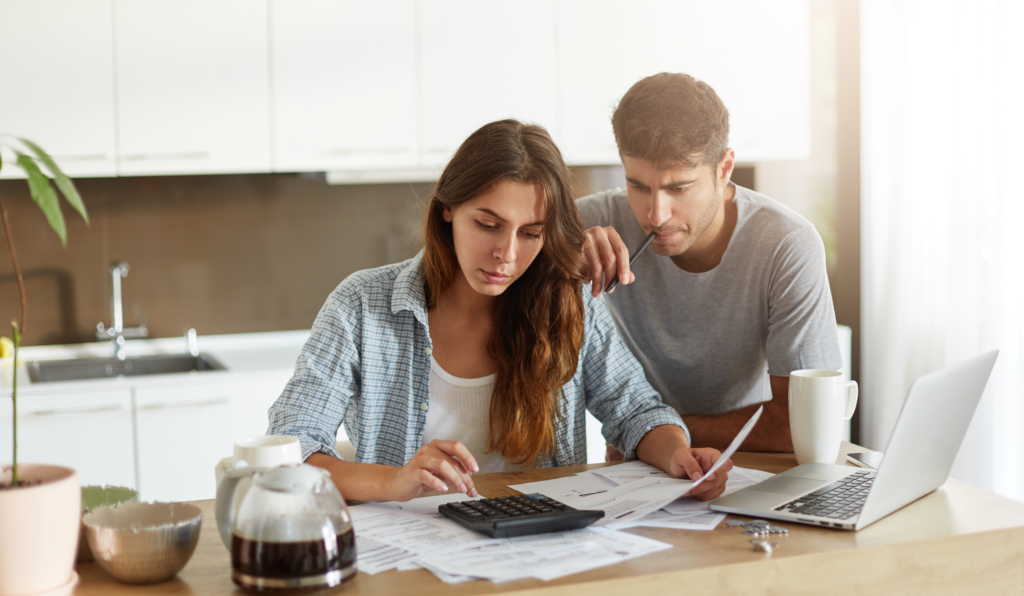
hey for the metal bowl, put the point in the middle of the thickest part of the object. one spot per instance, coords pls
(94, 497)
(143, 543)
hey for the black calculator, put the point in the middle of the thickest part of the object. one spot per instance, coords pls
(521, 515)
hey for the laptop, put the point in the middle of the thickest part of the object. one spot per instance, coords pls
(920, 454)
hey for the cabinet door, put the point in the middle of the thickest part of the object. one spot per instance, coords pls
(604, 47)
(756, 55)
(182, 433)
(250, 402)
(480, 62)
(58, 81)
(90, 432)
(763, 72)
(192, 86)
(344, 84)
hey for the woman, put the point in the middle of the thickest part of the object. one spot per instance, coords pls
(481, 353)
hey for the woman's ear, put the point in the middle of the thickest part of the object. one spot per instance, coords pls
(446, 212)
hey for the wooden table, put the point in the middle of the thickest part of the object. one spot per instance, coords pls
(959, 539)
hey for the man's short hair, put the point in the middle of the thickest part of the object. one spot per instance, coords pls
(672, 120)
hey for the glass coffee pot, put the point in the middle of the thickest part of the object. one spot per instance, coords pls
(292, 533)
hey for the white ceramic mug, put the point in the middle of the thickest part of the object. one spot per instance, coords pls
(819, 402)
(267, 451)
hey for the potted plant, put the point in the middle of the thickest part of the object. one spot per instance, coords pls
(40, 505)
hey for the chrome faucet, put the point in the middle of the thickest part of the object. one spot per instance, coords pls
(192, 341)
(117, 331)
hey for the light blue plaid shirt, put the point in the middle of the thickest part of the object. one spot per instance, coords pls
(367, 365)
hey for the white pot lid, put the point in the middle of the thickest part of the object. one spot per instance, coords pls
(291, 478)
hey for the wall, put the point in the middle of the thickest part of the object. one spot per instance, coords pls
(222, 254)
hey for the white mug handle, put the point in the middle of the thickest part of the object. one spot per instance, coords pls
(851, 399)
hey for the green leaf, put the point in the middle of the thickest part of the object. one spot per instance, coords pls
(44, 196)
(63, 182)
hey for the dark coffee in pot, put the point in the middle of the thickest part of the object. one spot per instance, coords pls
(292, 567)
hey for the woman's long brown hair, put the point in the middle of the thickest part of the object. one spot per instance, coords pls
(538, 330)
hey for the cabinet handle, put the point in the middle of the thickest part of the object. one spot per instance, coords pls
(107, 408)
(186, 404)
(81, 157)
(368, 150)
(166, 155)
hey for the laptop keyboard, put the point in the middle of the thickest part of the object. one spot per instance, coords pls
(840, 500)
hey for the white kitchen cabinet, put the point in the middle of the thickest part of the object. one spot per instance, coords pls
(249, 404)
(182, 433)
(603, 48)
(483, 61)
(192, 86)
(756, 55)
(90, 432)
(344, 85)
(58, 82)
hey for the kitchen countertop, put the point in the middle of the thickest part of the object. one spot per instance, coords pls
(959, 539)
(248, 355)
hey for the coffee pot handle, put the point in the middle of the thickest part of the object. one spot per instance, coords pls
(225, 506)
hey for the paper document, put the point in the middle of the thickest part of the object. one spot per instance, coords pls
(639, 491)
(694, 520)
(568, 488)
(634, 500)
(738, 478)
(544, 556)
(388, 536)
(620, 503)
(629, 472)
(742, 436)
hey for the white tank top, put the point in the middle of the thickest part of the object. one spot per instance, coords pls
(460, 410)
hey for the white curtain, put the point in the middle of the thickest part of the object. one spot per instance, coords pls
(942, 161)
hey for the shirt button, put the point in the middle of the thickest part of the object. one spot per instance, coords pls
(423, 406)
(428, 351)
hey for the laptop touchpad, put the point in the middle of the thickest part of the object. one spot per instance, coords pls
(787, 485)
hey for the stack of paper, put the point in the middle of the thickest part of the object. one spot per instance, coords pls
(411, 535)
(638, 494)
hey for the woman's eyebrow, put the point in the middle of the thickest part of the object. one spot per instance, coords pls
(502, 219)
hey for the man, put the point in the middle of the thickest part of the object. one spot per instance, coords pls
(735, 296)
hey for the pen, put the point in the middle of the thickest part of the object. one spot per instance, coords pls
(636, 254)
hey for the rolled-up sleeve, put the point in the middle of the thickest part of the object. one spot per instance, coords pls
(617, 392)
(326, 380)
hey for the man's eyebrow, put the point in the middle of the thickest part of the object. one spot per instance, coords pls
(502, 219)
(672, 184)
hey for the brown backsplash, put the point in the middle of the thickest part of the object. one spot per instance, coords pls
(222, 254)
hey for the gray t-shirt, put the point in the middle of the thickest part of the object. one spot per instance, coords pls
(708, 341)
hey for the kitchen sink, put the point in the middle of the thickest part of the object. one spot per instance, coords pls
(46, 371)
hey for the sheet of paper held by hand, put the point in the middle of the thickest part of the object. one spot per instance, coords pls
(735, 445)
(642, 490)
(687, 513)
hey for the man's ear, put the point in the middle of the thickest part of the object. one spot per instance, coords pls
(446, 213)
(725, 168)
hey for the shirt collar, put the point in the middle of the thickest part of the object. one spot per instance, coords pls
(410, 291)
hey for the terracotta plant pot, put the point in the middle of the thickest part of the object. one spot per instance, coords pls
(39, 529)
